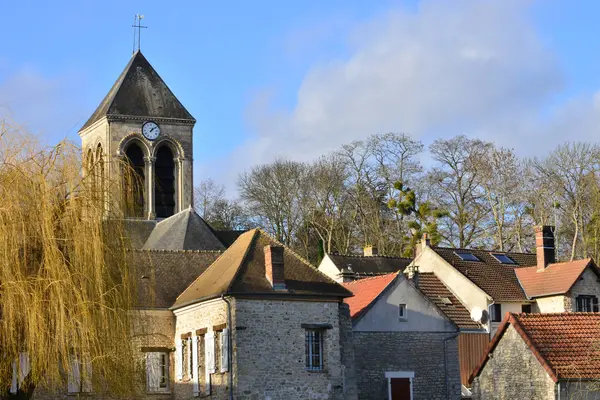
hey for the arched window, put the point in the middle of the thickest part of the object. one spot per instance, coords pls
(99, 171)
(135, 181)
(164, 183)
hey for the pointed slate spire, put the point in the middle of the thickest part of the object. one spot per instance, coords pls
(140, 92)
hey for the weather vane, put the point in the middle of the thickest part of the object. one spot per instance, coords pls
(137, 23)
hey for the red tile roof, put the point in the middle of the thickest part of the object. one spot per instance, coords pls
(554, 279)
(365, 291)
(565, 344)
(435, 290)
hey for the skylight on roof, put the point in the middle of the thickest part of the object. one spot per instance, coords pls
(466, 256)
(445, 300)
(503, 258)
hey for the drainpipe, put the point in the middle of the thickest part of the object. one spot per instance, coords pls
(230, 344)
(446, 363)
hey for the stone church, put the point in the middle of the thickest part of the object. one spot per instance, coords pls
(220, 314)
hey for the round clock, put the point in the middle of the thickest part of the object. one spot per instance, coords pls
(150, 130)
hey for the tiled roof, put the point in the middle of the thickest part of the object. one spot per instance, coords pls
(163, 275)
(140, 91)
(554, 279)
(240, 270)
(185, 230)
(436, 291)
(566, 344)
(365, 292)
(371, 265)
(496, 279)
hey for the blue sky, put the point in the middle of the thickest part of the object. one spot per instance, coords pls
(299, 78)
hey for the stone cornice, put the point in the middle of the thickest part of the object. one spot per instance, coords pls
(179, 121)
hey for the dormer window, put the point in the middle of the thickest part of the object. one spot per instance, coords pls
(503, 258)
(466, 256)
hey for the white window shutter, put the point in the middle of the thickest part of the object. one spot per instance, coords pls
(195, 364)
(189, 349)
(74, 375)
(178, 360)
(87, 378)
(209, 347)
(153, 371)
(24, 367)
(13, 384)
(225, 350)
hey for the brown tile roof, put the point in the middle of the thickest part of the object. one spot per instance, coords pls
(435, 290)
(372, 265)
(365, 292)
(240, 270)
(566, 344)
(496, 279)
(162, 275)
(554, 279)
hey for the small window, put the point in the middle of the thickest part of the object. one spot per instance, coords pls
(157, 372)
(503, 258)
(586, 303)
(466, 256)
(314, 349)
(402, 312)
(495, 313)
(526, 308)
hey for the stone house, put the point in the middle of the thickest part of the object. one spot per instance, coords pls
(491, 283)
(405, 346)
(541, 357)
(346, 268)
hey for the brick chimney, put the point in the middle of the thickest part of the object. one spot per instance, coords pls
(274, 266)
(544, 243)
(425, 242)
(370, 251)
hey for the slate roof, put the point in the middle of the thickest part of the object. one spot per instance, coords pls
(554, 279)
(138, 231)
(366, 291)
(161, 276)
(185, 230)
(566, 344)
(435, 290)
(240, 270)
(370, 265)
(496, 279)
(140, 91)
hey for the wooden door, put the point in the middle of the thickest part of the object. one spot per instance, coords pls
(400, 388)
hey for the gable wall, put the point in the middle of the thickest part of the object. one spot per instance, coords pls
(328, 268)
(550, 304)
(589, 285)
(513, 372)
(422, 315)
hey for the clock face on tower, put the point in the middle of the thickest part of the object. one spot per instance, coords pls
(150, 130)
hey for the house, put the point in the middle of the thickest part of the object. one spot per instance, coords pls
(346, 268)
(405, 346)
(490, 283)
(543, 357)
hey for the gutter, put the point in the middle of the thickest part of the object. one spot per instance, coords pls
(230, 345)
(446, 362)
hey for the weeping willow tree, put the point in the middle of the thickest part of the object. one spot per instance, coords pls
(65, 281)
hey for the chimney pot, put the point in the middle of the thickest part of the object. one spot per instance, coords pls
(545, 247)
(274, 267)
(370, 251)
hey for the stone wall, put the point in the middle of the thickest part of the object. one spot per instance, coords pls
(588, 285)
(420, 352)
(513, 372)
(580, 390)
(270, 351)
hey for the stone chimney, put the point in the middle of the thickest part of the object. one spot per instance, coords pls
(544, 243)
(274, 269)
(370, 251)
(413, 275)
(346, 275)
(425, 242)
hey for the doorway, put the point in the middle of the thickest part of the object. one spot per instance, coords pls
(400, 384)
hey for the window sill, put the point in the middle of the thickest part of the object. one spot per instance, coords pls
(316, 371)
(158, 393)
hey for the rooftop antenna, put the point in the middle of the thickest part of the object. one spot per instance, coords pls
(137, 23)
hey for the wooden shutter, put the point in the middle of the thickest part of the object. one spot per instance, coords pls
(195, 364)
(87, 377)
(209, 352)
(24, 367)
(224, 350)
(594, 304)
(153, 373)
(14, 383)
(178, 360)
(74, 380)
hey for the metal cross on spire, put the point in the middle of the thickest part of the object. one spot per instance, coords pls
(137, 23)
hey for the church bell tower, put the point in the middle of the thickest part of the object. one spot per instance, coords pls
(141, 122)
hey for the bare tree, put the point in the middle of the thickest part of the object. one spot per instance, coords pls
(215, 208)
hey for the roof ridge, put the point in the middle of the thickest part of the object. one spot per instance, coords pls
(370, 278)
(484, 250)
(363, 256)
(174, 251)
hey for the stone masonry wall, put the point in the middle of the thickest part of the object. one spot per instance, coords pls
(419, 352)
(580, 390)
(270, 346)
(587, 286)
(350, 388)
(513, 372)
(200, 316)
